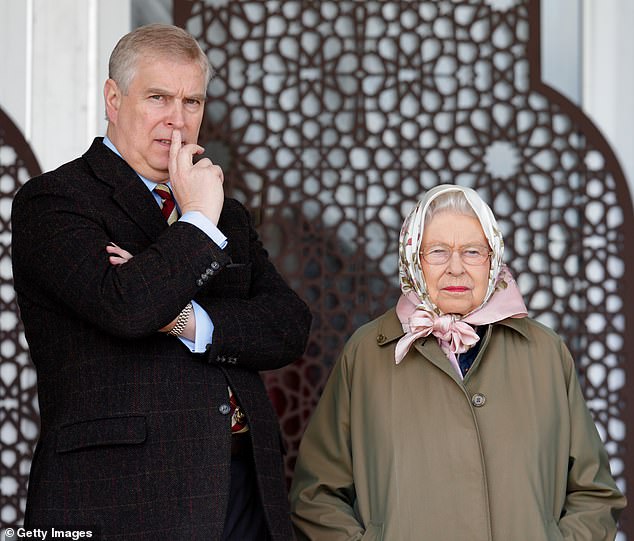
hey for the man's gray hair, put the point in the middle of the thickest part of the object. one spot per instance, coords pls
(154, 41)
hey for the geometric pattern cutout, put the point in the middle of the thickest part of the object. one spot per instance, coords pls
(19, 414)
(331, 118)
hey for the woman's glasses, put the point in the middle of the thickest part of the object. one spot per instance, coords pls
(439, 254)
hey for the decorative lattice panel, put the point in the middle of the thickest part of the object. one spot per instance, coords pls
(331, 117)
(19, 419)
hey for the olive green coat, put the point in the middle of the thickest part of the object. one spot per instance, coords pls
(409, 452)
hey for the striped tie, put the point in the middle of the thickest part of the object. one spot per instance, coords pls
(238, 419)
(168, 206)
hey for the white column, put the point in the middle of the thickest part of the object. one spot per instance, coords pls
(114, 21)
(15, 59)
(560, 49)
(608, 75)
(60, 79)
(68, 73)
(54, 57)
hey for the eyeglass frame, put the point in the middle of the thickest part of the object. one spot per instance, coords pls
(425, 252)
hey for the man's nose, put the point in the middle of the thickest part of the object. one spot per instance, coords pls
(176, 118)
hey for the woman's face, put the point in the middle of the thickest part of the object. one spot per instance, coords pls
(455, 287)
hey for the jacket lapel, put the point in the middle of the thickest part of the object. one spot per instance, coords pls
(128, 190)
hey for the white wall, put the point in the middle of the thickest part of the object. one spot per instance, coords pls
(15, 59)
(561, 53)
(608, 75)
(53, 62)
(587, 51)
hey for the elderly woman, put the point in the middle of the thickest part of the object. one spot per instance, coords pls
(454, 416)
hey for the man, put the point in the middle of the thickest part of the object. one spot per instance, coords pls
(148, 337)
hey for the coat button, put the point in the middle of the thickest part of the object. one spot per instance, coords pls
(199, 282)
(215, 265)
(224, 409)
(478, 400)
(381, 338)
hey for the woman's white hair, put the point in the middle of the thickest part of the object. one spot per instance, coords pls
(449, 202)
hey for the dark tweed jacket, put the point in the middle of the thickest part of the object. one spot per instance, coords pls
(134, 436)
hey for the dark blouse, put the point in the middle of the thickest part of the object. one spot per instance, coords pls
(465, 360)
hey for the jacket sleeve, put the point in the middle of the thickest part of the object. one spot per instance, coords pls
(323, 491)
(593, 501)
(61, 265)
(268, 326)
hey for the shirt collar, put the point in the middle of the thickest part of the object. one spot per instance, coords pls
(149, 183)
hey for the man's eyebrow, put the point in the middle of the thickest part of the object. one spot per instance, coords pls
(199, 97)
(163, 92)
(156, 90)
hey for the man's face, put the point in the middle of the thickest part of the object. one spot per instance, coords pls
(164, 95)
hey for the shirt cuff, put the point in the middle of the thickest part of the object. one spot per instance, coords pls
(204, 331)
(206, 226)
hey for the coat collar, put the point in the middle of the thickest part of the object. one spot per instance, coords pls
(389, 330)
(389, 327)
(129, 192)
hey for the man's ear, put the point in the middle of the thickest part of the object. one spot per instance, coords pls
(112, 97)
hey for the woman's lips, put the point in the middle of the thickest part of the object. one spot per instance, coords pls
(456, 289)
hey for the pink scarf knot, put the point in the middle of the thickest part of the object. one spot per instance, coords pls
(454, 336)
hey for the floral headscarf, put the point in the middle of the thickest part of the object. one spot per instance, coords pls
(418, 313)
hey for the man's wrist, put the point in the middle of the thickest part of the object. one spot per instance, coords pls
(181, 321)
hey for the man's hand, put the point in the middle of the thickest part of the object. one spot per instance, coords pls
(118, 256)
(197, 187)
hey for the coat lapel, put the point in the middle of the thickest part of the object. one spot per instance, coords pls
(390, 330)
(129, 192)
(428, 347)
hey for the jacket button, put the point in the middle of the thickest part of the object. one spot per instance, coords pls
(478, 400)
(215, 265)
(381, 338)
(224, 409)
(199, 282)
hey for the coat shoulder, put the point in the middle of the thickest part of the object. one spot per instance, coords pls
(52, 179)
(63, 178)
(236, 208)
(543, 344)
(533, 330)
(369, 344)
(374, 331)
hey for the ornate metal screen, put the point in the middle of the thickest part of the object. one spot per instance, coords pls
(331, 117)
(19, 416)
